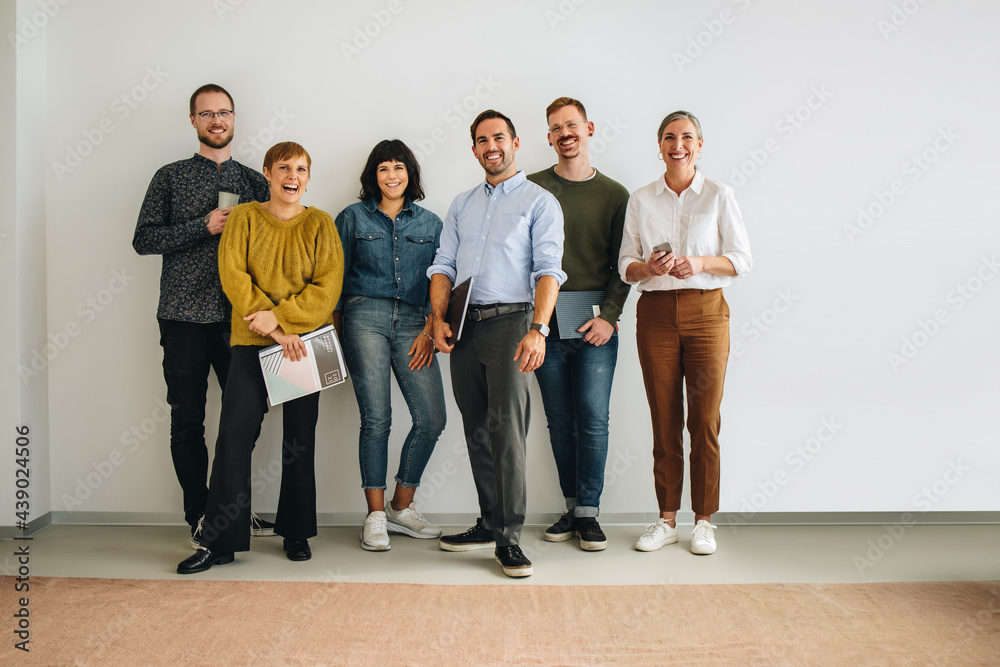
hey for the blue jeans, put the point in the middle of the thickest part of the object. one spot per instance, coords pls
(378, 334)
(575, 383)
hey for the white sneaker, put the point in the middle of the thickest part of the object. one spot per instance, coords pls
(657, 535)
(374, 536)
(703, 538)
(409, 521)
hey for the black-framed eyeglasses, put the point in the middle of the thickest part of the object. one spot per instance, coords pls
(209, 115)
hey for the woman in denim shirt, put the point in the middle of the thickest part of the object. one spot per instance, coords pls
(388, 243)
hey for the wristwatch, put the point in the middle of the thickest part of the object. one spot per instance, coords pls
(540, 328)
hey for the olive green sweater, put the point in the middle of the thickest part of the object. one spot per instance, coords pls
(594, 219)
(294, 268)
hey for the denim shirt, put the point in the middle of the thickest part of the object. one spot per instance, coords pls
(387, 258)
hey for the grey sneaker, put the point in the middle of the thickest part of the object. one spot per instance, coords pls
(374, 536)
(409, 521)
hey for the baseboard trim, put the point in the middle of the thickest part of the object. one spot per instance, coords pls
(461, 519)
(34, 526)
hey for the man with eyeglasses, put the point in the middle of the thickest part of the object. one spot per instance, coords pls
(181, 220)
(575, 378)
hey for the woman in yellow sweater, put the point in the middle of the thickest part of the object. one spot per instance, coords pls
(281, 266)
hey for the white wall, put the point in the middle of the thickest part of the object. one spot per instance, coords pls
(845, 303)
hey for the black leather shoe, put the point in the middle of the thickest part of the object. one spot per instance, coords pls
(202, 560)
(513, 561)
(297, 549)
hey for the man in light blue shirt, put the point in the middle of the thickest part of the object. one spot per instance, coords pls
(507, 234)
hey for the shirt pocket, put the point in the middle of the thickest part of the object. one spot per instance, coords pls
(370, 246)
(702, 231)
(420, 251)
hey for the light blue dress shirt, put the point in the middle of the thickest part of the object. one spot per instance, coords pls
(507, 237)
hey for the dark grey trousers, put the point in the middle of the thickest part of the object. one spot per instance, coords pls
(492, 395)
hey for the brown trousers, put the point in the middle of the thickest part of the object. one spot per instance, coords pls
(683, 337)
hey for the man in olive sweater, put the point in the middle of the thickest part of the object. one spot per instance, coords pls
(575, 378)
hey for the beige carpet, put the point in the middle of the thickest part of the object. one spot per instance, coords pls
(144, 622)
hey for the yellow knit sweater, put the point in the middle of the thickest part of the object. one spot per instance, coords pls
(294, 268)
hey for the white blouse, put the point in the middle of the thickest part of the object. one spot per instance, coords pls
(703, 220)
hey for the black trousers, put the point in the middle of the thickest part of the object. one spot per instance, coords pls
(190, 351)
(227, 516)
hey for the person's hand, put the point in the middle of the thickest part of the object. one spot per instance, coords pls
(263, 322)
(293, 348)
(660, 263)
(217, 220)
(530, 351)
(442, 332)
(421, 352)
(598, 331)
(685, 267)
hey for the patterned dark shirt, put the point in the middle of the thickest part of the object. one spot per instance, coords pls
(173, 223)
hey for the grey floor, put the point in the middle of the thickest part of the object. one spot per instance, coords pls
(746, 554)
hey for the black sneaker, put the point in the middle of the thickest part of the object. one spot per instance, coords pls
(260, 527)
(513, 562)
(563, 529)
(591, 536)
(474, 538)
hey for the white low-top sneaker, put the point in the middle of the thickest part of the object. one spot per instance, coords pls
(703, 538)
(409, 521)
(657, 535)
(374, 536)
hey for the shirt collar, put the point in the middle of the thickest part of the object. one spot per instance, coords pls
(371, 205)
(509, 185)
(199, 156)
(696, 184)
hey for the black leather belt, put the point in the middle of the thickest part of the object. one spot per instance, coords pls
(478, 313)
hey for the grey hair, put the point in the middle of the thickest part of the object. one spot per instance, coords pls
(678, 115)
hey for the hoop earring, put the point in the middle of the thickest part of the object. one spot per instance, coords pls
(659, 156)
(699, 156)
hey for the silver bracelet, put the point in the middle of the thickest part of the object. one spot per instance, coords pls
(428, 335)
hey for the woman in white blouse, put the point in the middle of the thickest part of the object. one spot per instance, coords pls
(684, 241)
